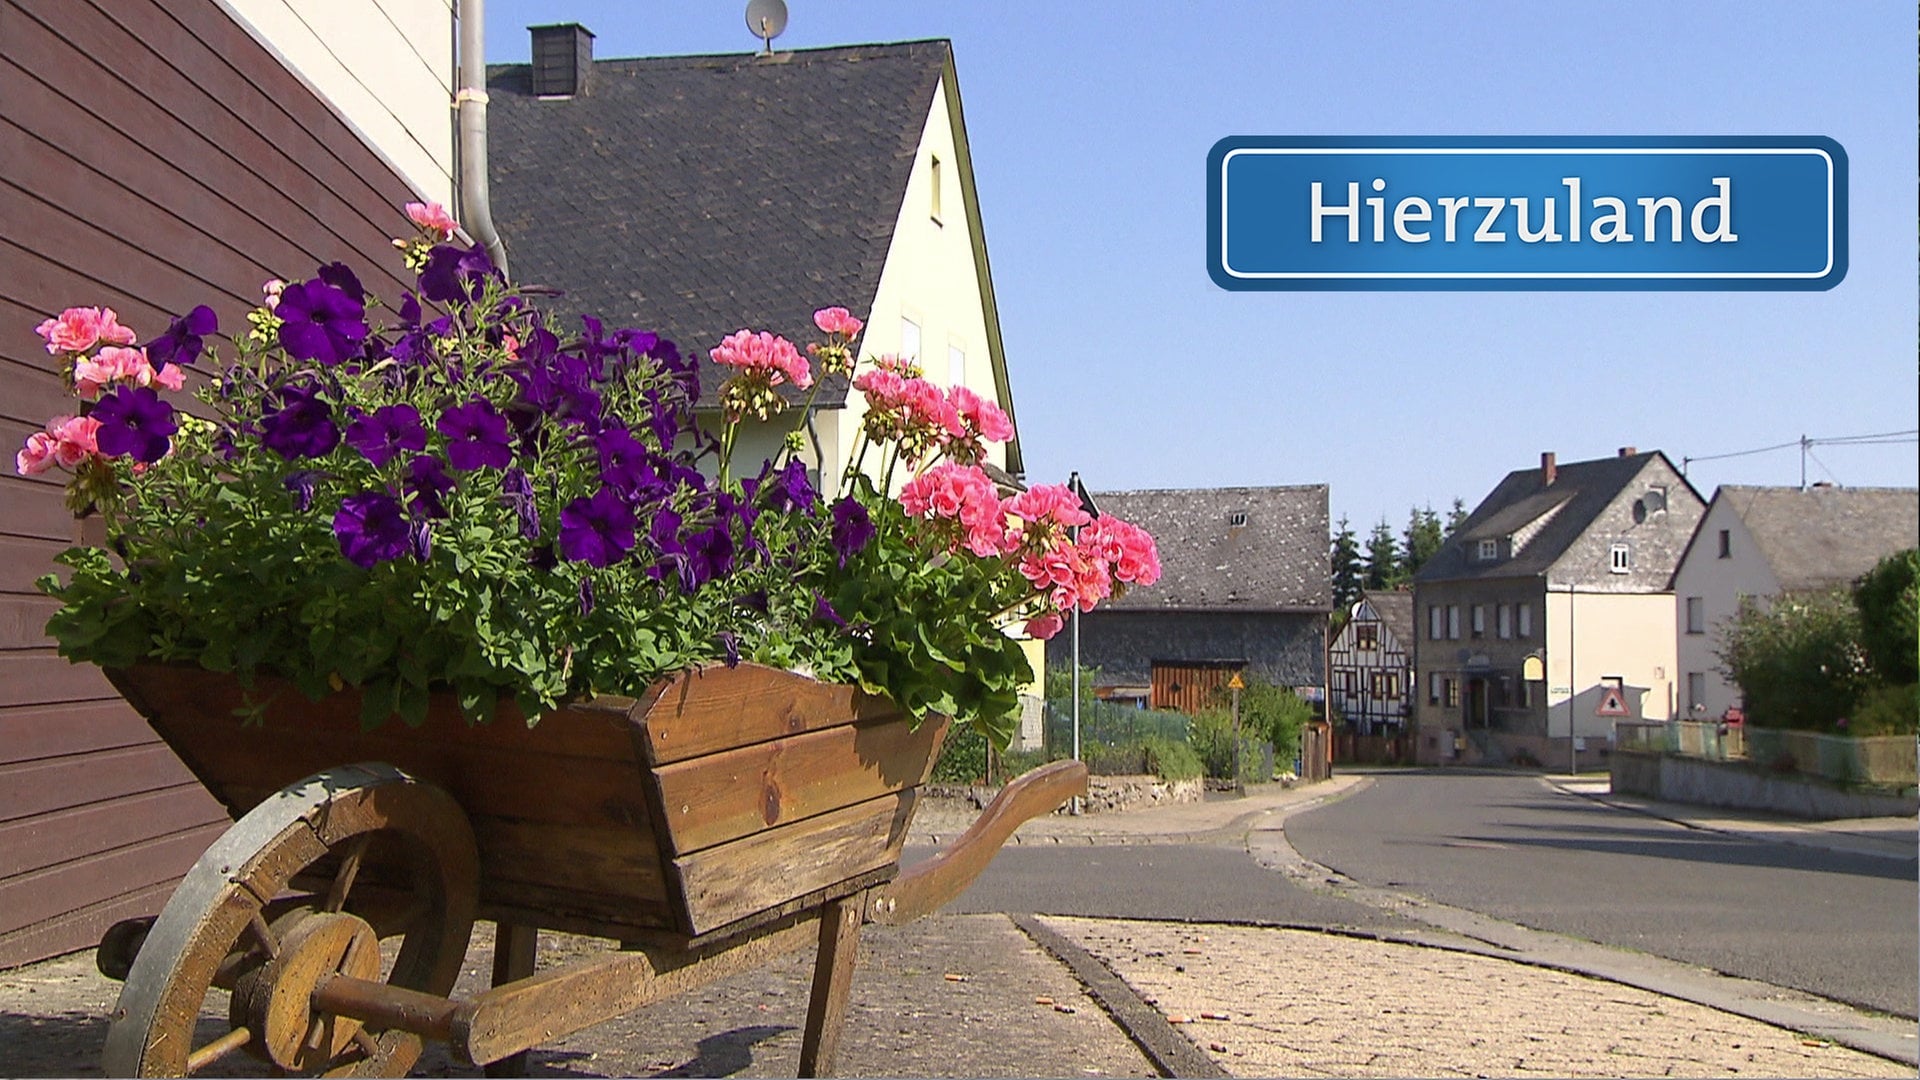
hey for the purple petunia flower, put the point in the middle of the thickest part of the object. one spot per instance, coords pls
(340, 277)
(371, 529)
(426, 486)
(625, 464)
(300, 485)
(597, 531)
(133, 420)
(420, 538)
(730, 641)
(790, 490)
(302, 427)
(709, 554)
(586, 597)
(823, 611)
(387, 432)
(852, 528)
(182, 340)
(517, 491)
(453, 274)
(320, 322)
(476, 436)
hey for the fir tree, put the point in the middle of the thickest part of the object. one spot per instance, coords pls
(1383, 558)
(1420, 542)
(1347, 569)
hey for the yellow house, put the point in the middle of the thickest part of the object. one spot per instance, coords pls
(699, 195)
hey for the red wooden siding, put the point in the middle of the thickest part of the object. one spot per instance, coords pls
(153, 156)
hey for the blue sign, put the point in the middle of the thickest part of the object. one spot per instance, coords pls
(1397, 212)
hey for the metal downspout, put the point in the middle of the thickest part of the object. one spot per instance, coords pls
(476, 209)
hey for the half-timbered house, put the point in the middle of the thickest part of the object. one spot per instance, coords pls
(1370, 664)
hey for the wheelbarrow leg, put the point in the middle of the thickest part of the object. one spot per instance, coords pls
(832, 981)
(514, 946)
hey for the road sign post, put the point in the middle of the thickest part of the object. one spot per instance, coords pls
(1236, 684)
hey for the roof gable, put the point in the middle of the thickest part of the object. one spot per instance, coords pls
(698, 195)
(1394, 609)
(1275, 561)
(1825, 536)
(1549, 518)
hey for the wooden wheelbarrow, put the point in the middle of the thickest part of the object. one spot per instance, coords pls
(728, 816)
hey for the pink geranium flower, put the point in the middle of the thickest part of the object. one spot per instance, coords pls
(1043, 627)
(837, 320)
(1127, 549)
(432, 217)
(115, 364)
(767, 355)
(36, 457)
(78, 329)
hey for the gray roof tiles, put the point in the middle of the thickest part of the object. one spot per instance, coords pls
(1825, 536)
(1585, 487)
(699, 195)
(1395, 608)
(1277, 561)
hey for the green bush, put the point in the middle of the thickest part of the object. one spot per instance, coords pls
(1886, 710)
(1210, 734)
(1888, 598)
(1798, 660)
(963, 760)
(1104, 760)
(1274, 713)
(1171, 761)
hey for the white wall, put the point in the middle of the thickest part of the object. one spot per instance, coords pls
(929, 276)
(1612, 634)
(386, 66)
(1720, 583)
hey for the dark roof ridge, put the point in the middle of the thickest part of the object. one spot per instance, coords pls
(779, 56)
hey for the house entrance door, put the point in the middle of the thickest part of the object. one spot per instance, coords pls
(1476, 703)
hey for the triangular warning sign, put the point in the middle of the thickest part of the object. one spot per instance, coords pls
(1612, 703)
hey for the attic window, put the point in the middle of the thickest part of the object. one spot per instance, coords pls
(1237, 519)
(936, 190)
(1489, 550)
(1621, 559)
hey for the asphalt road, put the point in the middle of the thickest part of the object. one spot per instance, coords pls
(1841, 926)
(1194, 882)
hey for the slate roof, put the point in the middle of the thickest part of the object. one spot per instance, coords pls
(1825, 536)
(1581, 491)
(697, 195)
(1395, 608)
(1277, 561)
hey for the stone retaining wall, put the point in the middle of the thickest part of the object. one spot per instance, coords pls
(1740, 787)
(1105, 794)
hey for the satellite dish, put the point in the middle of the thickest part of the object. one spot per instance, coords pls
(767, 18)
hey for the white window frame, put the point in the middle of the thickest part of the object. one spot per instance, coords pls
(1489, 549)
(1434, 622)
(1525, 621)
(1433, 688)
(1696, 607)
(1696, 702)
(909, 339)
(1620, 559)
(1478, 617)
(1453, 622)
(1503, 621)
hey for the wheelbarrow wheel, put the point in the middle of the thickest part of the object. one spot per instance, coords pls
(272, 909)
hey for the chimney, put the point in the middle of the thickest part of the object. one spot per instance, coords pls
(1548, 470)
(1628, 451)
(562, 59)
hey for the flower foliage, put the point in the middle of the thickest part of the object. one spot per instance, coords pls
(464, 495)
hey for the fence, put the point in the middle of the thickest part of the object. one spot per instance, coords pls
(1107, 724)
(1710, 740)
(1887, 760)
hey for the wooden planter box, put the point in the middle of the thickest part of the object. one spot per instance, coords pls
(720, 800)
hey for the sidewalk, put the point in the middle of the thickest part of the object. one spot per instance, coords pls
(1886, 837)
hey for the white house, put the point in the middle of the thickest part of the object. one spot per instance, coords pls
(1760, 542)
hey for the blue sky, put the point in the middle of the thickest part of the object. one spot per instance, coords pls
(1090, 125)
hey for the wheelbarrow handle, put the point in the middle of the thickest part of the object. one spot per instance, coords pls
(924, 887)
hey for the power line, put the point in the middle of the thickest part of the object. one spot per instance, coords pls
(1806, 445)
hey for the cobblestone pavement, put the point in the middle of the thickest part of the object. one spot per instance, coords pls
(1274, 1002)
(948, 996)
